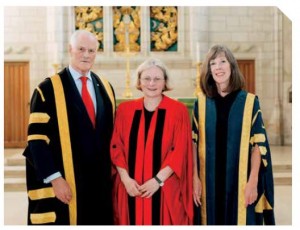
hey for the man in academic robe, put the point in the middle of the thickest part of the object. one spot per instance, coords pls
(68, 165)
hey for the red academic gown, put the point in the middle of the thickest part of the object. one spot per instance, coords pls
(168, 144)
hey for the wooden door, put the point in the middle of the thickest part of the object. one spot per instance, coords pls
(16, 104)
(247, 67)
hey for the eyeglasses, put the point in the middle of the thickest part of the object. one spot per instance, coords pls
(155, 80)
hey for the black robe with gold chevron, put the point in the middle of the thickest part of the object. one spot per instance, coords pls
(90, 158)
(245, 128)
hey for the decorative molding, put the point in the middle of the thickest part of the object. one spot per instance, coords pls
(23, 50)
(16, 50)
(8, 50)
(247, 48)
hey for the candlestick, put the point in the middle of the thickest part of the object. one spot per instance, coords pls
(56, 66)
(126, 19)
(198, 75)
(126, 37)
(127, 93)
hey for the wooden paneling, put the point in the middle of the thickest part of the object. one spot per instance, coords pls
(16, 103)
(247, 67)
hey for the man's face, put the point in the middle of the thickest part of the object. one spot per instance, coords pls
(83, 53)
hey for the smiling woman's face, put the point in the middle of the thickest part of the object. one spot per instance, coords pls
(220, 69)
(152, 82)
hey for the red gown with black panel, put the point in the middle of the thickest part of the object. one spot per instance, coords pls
(168, 143)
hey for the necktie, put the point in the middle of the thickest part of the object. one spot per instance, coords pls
(87, 100)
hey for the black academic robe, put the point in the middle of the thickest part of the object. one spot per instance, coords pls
(89, 154)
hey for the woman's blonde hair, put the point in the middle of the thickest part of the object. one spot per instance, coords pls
(148, 64)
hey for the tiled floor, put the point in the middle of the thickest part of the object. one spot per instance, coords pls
(15, 203)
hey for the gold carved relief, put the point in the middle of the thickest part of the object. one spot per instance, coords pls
(163, 27)
(90, 18)
(126, 27)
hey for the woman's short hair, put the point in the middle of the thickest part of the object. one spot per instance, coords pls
(207, 82)
(148, 64)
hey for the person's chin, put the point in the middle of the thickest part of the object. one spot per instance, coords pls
(153, 93)
(85, 67)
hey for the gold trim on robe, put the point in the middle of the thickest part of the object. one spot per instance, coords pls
(257, 138)
(38, 137)
(65, 141)
(243, 161)
(262, 204)
(41, 94)
(42, 193)
(43, 218)
(39, 118)
(255, 116)
(202, 153)
(110, 94)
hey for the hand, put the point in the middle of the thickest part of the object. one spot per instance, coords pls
(250, 193)
(62, 190)
(197, 189)
(149, 188)
(132, 187)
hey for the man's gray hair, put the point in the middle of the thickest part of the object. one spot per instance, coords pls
(75, 35)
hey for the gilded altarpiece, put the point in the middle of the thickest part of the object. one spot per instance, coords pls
(126, 22)
(163, 26)
(90, 18)
(126, 28)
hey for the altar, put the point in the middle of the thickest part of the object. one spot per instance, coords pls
(188, 101)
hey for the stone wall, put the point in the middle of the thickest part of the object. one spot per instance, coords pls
(40, 35)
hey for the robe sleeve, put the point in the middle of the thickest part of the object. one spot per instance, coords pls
(180, 158)
(179, 153)
(38, 152)
(259, 135)
(265, 203)
(117, 147)
(195, 128)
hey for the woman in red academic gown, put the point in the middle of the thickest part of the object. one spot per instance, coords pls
(151, 151)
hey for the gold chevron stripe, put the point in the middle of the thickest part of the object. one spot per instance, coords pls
(41, 94)
(43, 218)
(38, 118)
(38, 137)
(262, 204)
(42, 193)
(260, 137)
